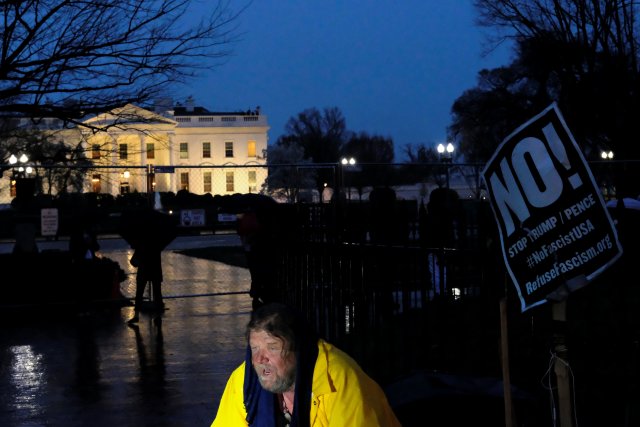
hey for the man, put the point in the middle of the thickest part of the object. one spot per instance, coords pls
(147, 259)
(292, 378)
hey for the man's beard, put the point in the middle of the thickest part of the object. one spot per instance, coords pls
(280, 384)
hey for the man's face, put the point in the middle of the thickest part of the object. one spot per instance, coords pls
(275, 366)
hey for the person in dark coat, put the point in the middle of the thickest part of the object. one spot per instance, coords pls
(147, 258)
(148, 232)
(256, 234)
(83, 243)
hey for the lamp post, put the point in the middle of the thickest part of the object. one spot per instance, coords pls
(124, 182)
(347, 162)
(20, 179)
(609, 190)
(446, 156)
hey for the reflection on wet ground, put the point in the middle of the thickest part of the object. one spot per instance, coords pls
(93, 369)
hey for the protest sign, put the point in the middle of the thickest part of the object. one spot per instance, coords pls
(555, 230)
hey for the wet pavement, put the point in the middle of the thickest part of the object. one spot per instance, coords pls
(92, 369)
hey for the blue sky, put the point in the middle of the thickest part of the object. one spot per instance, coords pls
(393, 67)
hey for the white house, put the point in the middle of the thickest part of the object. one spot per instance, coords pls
(174, 147)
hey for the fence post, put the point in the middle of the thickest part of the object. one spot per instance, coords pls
(561, 368)
(150, 183)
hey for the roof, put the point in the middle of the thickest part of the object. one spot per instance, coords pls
(201, 111)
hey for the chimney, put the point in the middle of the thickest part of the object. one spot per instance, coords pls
(189, 104)
(163, 106)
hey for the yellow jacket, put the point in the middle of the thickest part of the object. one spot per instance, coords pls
(342, 395)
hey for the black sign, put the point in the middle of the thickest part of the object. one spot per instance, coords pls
(555, 230)
(164, 169)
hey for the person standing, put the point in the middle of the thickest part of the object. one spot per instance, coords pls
(147, 258)
(256, 234)
(148, 232)
(292, 378)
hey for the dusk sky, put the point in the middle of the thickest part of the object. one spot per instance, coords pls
(393, 67)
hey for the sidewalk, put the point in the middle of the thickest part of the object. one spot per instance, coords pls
(93, 369)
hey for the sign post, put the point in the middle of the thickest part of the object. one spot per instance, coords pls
(49, 222)
(555, 230)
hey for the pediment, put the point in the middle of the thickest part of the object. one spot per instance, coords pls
(129, 116)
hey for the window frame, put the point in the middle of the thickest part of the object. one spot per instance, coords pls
(183, 154)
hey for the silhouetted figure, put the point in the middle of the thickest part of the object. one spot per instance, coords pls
(443, 214)
(148, 232)
(148, 261)
(422, 223)
(255, 234)
(383, 208)
(83, 243)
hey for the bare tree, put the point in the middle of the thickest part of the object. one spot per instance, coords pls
(581, 54)
(321, 135)
(69, 58)
(289, 172)
(606, 26)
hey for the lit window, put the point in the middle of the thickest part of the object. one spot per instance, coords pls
(184, 150)
(95, 151)
(229, 180)
(228, 149)
(124, 188)
(251, 178)
(124, 151)
(95, 183)
(151, 151)
(206, 150)
(251, 149)
(206, 182)
(184, 181)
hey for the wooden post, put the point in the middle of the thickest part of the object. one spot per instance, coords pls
(504, 355)
(561, 367)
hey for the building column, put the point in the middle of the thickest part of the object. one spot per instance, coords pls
(113, 185)
(141, 181)
(172, 162)
(86, 184)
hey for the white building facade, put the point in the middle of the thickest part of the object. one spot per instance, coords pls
(172, 148)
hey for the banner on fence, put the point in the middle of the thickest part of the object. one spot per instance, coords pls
(555, 230)
(192, 218)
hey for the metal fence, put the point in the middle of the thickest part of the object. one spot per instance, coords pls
(358, 252)
(292, 183)
(397, 286)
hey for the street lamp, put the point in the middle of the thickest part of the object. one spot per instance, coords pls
(609, 190)
(20, 181)
(124, 182)
(449, 149)
(446, 156)
(22, 170)
(347, 162)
